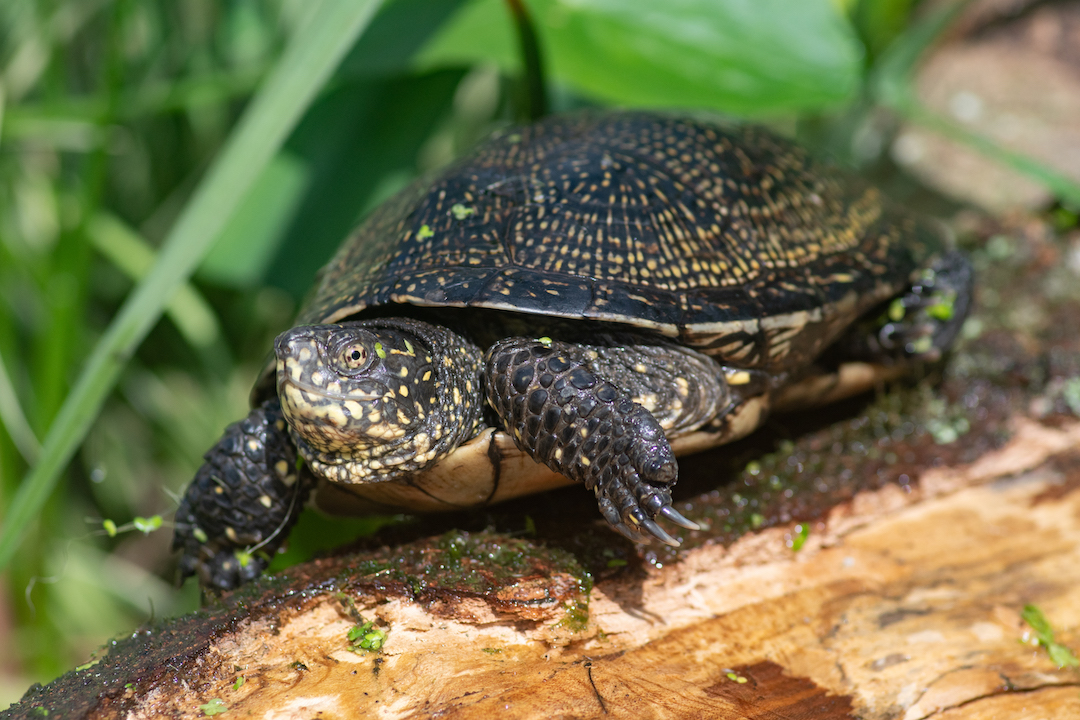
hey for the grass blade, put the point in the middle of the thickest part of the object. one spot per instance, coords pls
(313, 54)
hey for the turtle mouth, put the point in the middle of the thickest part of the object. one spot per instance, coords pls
(285, 379)
(313, 390)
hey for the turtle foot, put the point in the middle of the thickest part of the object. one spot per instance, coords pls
(238, 510)
(586, 428)
(630, 511)
(923, 322)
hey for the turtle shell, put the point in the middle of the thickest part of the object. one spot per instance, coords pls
(730, 239)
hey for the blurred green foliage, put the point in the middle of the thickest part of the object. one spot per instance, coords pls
(111, 114)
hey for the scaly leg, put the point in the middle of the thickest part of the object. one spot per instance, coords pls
(560, 404)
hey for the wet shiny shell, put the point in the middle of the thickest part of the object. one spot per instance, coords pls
(729, 239)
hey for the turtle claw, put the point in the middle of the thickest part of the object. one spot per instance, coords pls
(626, 532)
(676, 517)
(659, 533)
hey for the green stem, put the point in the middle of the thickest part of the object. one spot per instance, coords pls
(313, 54)
(536, 102)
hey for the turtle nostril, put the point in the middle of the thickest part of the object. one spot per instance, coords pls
(285, 344)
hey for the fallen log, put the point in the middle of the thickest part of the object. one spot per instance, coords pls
(876, 563)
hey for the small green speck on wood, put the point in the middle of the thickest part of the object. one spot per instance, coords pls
(239, 683)
(366, 637)
(798, 537)
(39, 711)
(897, 310)
(214, 707)
(735, 677)
(491, 651)
(1044, 635)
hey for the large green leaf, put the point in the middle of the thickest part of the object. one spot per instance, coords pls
(748, 57)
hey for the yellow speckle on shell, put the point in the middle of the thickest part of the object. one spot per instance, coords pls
(737, 377)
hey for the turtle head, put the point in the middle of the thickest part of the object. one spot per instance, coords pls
(364, 400)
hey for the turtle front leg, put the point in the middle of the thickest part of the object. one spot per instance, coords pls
(579, 424)
(244, 499)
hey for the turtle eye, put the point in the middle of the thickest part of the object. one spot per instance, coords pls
(354, 356)
(351, 352)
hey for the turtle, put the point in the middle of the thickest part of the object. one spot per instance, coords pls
(574, 301)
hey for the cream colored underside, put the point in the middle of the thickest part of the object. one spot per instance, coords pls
(468, 478)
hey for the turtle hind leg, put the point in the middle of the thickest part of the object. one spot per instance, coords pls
(579, 424)
(923, 321)
(244, 499)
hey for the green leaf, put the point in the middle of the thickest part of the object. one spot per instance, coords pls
(214, 707)
(147, 525)
(749, 57)
(1062, 656)
(1044, 635)
(255, 231)
(328, 32)
(399, 30)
